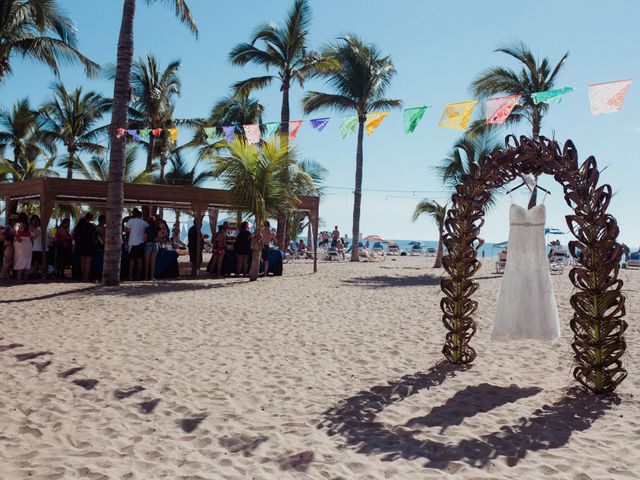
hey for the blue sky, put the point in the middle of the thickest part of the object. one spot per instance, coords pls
(437, 48)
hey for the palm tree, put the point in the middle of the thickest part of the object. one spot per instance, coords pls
(360, 85)
(181, 175)
(30, 167)
(237, 111)
(253, 175)
(153, 92)
(19, 132)
(439, 214)
(534, 76)
(70, 118)
(98, 168)
(466, 151)
(121, 93)
(38, 29)
(305, 178)
(285, 51)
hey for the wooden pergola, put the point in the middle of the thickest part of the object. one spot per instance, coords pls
(50, 191)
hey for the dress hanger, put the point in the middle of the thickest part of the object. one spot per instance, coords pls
(523, 184)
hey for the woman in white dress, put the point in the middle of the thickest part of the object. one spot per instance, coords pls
(526, 306)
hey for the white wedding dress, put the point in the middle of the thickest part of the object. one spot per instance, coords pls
(526, 306)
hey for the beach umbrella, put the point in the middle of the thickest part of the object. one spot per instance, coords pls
(375, 238)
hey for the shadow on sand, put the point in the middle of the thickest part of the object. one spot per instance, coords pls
(135, 289)
(383, 281)
(546, 428)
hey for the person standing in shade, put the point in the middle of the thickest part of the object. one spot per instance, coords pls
(242, 248)
(84, 236)
(135, 227)
(153, 235)
(219, 249)
(63, 243)
(267, 237)
(195, 257)
(36, 255)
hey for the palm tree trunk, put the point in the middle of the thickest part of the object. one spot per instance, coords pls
(440, 254)
(4, 67)
(284, 130)
(535, 133)
(256, 250)
(357, 193)
(115, 193)
(72, 153)
(150, 153)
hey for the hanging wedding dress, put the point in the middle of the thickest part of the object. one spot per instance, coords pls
(526, 306)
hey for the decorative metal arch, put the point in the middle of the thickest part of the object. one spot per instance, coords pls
(598, 303)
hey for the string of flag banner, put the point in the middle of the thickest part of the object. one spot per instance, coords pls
(606, 97)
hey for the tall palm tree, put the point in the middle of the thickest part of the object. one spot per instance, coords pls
(154, 91)
(70, 118)
(39, 30)
(285, 50)
(20, 133)
(98, 168)
(253, 176)
(360, 86)
(121, 93)
(439, 214)
(535, 75)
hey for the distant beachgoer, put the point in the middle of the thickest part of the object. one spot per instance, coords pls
(242, 248)
(152, 236)
(335, 236)
(22, 247)
(302, 248)
(63, 242)
(340, 248)
(85, 238)
(324, 238)
(136, 227)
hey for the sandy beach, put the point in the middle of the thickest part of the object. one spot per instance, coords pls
(333, 375)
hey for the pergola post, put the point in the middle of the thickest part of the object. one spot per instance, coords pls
(10, 207)
(314, 225)
(198, 213)
(47, 201)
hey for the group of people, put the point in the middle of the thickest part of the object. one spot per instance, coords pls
(241, 244)
(142, 239)
(23, 249)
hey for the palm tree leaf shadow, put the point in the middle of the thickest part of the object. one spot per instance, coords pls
(549, 427)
